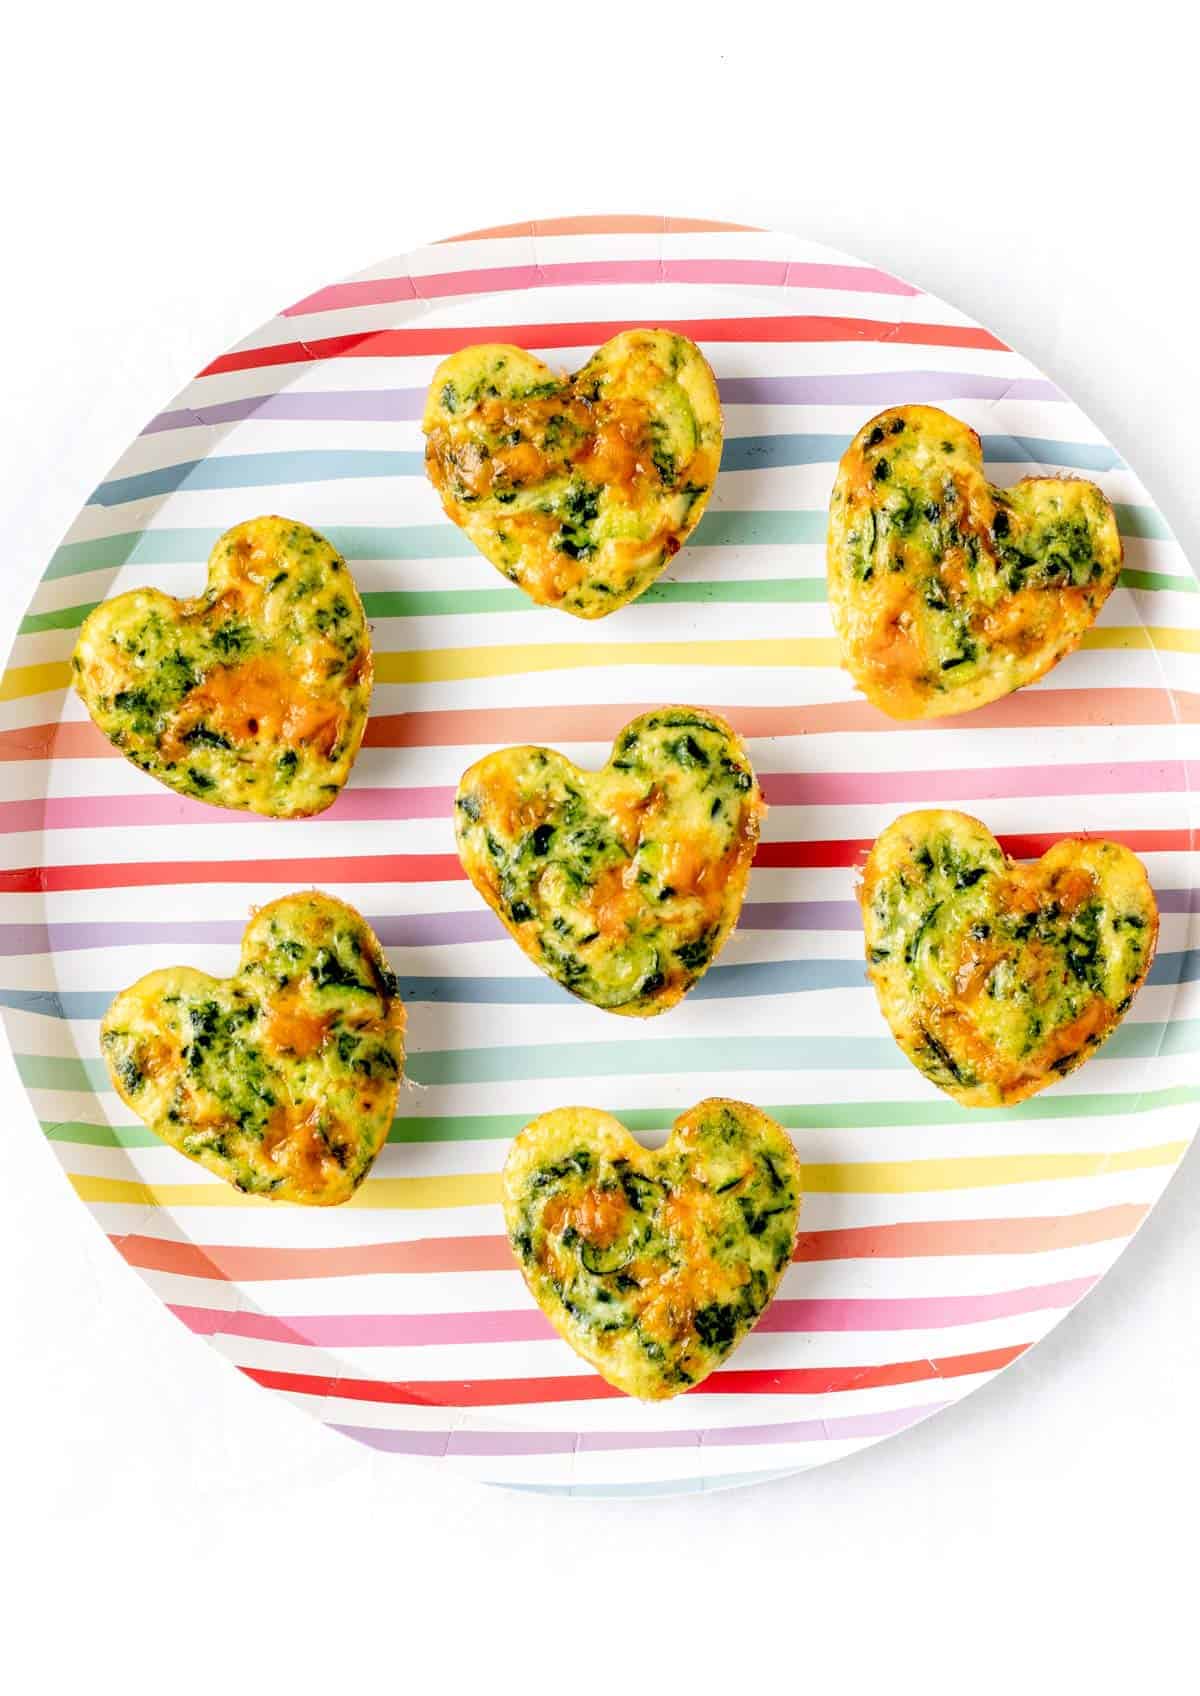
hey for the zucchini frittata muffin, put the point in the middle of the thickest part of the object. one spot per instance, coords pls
(999, 978)
(252, 695)
(946, 592)
(283, 1078)
(621, 884)
(653, 1265)
(578, 489)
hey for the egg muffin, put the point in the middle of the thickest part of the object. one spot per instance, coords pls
(997, 978)
(946, 592)
(281, 1079)
(578, 489)
(623, 884)
(653, 1265)
(253, 695)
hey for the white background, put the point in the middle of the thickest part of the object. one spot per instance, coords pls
(170, 176)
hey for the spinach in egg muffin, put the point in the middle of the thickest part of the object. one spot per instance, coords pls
(999, 978)
(623, 884)
(253, 695)
(945, 591)
(653, 1265)
(578, 489)
(282, 1079)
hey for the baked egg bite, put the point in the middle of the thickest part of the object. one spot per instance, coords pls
(997, 978)
(621, 884)
(578, 489)
(946, 592)
(252, 695)
(282, 1079)
(653, 1265)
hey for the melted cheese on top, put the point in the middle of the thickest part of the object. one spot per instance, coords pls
(252, 695)
(653, 1266)
(945, 592)
(281, 1079)
(578, 489)
(623, 884)
(997, 979)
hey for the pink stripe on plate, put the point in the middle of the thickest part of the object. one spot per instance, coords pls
(529, 1325)
(1135, 777)
(919, 1313)
(371, 1330)
(782, 789)
(768, 273)
(92, 812)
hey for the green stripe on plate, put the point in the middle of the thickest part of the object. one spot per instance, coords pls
(1142, 521)
(717, 529)
(649, 1057)
(431, 603)
(100, 1136)
(1159, 580)
(839, 1115)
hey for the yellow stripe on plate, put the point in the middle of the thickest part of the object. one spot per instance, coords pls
(21, 680)
(1149, 636)
(474, 1189)
(982, 1171)
(856, 1177)
(454, 665)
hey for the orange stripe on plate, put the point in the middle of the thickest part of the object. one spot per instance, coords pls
(601, 224)
(237, 1263)
(1022, 711)
(971, 1236)
(1026, 710)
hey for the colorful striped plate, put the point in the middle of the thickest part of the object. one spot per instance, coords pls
(937, 1244)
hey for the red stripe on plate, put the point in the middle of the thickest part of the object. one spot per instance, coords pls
(516, 1392)
(374, 868)
(852, 851)
(409, 343)
(443, 868)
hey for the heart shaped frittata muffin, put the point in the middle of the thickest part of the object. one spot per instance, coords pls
(252, 695)
(947, 593)
(579, 489)
(997, 978)
(281, 1079)
(621, 884)
(653, 1265)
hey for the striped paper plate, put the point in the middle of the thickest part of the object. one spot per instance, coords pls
(936, 1244)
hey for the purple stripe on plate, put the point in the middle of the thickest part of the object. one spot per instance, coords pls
(432, 930)
(800, 915)
(882, 388)
(442, 1443)
(404, 406)
(375, 406)
(403, 930)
